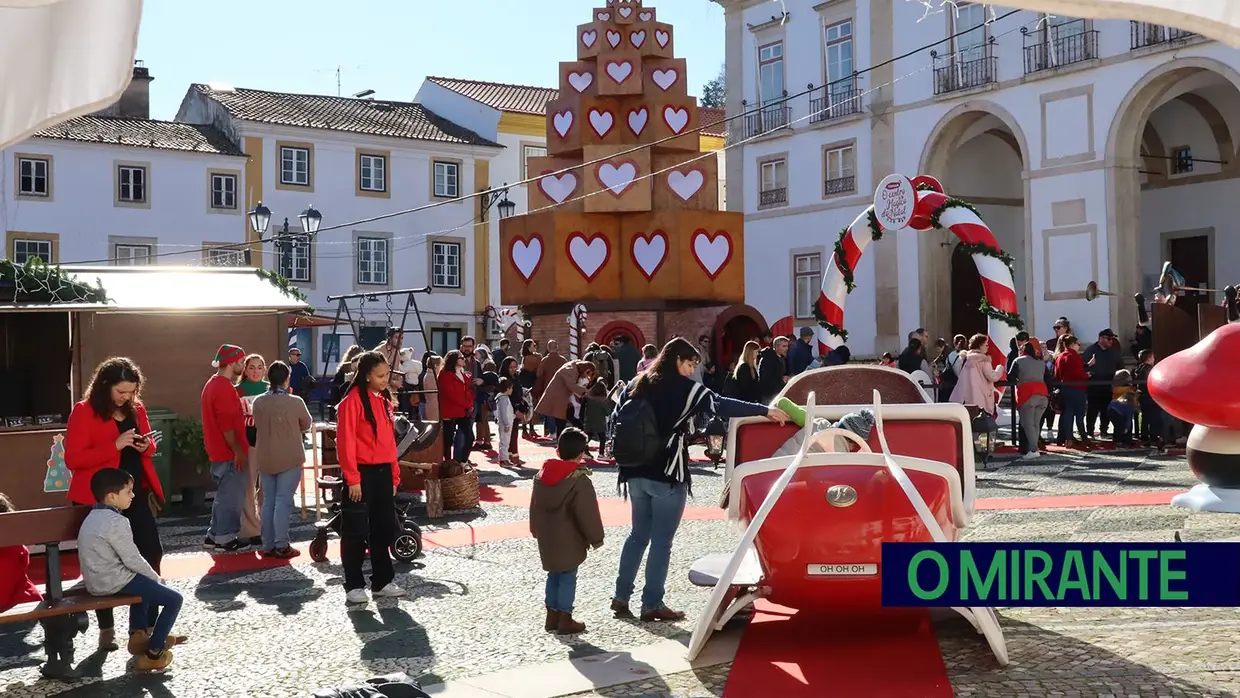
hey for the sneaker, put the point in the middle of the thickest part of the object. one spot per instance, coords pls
(208, 542)
(256, 540)
(235, 545)
(389, 591)
(148, 663)
(1033, 454)
(356, 596)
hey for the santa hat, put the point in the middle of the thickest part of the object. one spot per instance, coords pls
(227, 354)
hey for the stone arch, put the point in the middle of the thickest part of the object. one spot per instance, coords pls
(934, 251)
(1217, 124)
(1153, 145)
(1123, 160)
(615, 328)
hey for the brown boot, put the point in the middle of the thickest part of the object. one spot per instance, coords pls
(553, 620)
(620, 609)
(139, 642)
(664, 613)
(158, 663)
(107, 640)
(568, 626)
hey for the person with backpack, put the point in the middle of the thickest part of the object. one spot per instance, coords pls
(952, 367)
(649, 443)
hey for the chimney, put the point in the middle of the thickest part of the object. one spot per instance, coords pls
(135, 103)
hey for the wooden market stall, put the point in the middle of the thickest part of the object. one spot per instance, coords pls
(58, 324)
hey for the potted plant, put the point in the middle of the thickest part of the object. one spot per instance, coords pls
(191, 471)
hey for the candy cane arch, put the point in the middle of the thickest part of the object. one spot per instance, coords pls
(928, 201)
(576, 325)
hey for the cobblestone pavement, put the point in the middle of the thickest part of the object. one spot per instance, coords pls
(475, 609)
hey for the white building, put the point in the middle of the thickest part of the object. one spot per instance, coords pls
(1095, 150)
(122, 188)
(363, 160)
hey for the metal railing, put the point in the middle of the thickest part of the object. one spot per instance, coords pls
(839, 185)
(1143, 34)
(773, 197)
(1059, 46)
(769, 117)
(966, 70)
(834, 100)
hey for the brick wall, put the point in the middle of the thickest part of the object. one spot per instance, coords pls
(691, 323)
(544, 327)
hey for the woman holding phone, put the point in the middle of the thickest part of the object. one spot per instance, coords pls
(109, 429)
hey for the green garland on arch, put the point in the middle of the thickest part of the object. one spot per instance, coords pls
(841, 262)
(1010, 319)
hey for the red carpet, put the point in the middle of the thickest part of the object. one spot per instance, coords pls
(791, 655)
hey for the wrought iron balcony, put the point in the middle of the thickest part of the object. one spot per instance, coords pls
(1145, 34)
(966, 69)
(773, 197)
(769, 117)
(839, 185)
(1058, 46)
(834, 100)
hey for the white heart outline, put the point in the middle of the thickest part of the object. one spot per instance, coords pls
(574, 252)
(559, 195)
(637, 38)
(601, 114)
(527, 247)
(642, 116)
(555, 122)
(685, 185)
(618, 186)
(645, 16)
(648, 240)
(604, 16)
(580, 81)
(628, 71)
(626, 11)
(662, 37)
(589, 37)
(661, 76)
(616, 42)
(680, 114)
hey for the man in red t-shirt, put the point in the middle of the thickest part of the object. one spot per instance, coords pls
(223, 436)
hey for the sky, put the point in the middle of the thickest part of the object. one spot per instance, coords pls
(386, 45)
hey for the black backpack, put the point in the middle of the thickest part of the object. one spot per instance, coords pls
(635, 436)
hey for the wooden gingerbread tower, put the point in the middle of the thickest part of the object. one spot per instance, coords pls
(624, 216)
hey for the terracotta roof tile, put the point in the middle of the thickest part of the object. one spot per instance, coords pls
(143, 133)
(368, 116)
(527, 99)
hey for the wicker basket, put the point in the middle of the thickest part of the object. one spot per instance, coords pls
(460, 492)
(434, 499)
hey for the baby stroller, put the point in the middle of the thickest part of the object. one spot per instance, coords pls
(408, 542)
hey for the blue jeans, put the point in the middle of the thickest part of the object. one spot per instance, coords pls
(561, 590)
(657, 507)
(548, 425)
(153, 594)
(278, 492)
(1072, 403)
(226, 510)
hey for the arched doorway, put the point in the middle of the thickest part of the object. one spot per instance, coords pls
(620, 328)
(980, 154)
(1174, 148)
(735, 326)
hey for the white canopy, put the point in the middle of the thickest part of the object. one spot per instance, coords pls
(1217, 19)
(62, 58)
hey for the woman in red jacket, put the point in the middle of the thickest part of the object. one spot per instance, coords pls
(456, 405)
(366, 449)
(109, 429)
(1069, 368)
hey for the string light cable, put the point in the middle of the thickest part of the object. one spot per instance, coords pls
(241, 246)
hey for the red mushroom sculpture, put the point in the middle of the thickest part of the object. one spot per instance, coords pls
(1201, 385)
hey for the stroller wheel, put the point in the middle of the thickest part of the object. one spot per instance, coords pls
(318, 547)
(407, 546)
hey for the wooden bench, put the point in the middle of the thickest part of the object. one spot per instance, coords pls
(62, 613)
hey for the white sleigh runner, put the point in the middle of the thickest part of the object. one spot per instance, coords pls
(777, 561)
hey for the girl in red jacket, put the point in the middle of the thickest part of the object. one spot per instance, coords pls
(109, 429)
(1069, 368)
(366, 449)
(456, 405)
(15, 584)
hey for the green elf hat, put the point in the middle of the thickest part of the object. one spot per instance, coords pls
(227, 354)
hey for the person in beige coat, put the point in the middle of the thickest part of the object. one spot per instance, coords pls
(280, 419)
(573, 379)
(430, 387)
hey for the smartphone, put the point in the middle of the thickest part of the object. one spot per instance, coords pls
(147, 436)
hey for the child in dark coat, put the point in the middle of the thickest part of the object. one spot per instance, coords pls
(597, 409)
(565, 520)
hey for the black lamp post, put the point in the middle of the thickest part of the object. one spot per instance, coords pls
(489, 199)
(260, 219)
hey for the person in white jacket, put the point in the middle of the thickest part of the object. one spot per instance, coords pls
(504, 418)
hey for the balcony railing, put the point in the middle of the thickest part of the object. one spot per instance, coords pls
(1148, 34)
(1059, 46)
(966, 70)
(834, 100)
(773, 197)
(769, 117)
(839, 185)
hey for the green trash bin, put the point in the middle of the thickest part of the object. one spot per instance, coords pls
(161, 421)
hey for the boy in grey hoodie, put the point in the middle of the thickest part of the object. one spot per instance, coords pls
(111, 564)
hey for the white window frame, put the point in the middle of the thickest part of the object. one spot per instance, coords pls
(775, 167)
(971, 46)
(841, 154)
(35, 176)
(294, 166)
(224, 257)
(807, 282)
(442, 253)
(372, 173)
(223, 191)
(131, 254)
(372, 250)
(450, 172)
(531, 151)
(843, 42)
(771, 62)
(21, 257)
(126, 191)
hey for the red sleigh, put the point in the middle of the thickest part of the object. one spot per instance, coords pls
(815, 522)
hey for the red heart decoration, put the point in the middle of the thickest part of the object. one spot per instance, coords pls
(527, 248)
(587, 250)
(708, 253)
(641, 259)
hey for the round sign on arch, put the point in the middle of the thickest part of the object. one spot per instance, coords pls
(620, 328)
(921, 204)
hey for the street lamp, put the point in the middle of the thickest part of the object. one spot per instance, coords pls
(490, 198)
(260, 219)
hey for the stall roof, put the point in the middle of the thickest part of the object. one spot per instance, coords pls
(174, 289)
